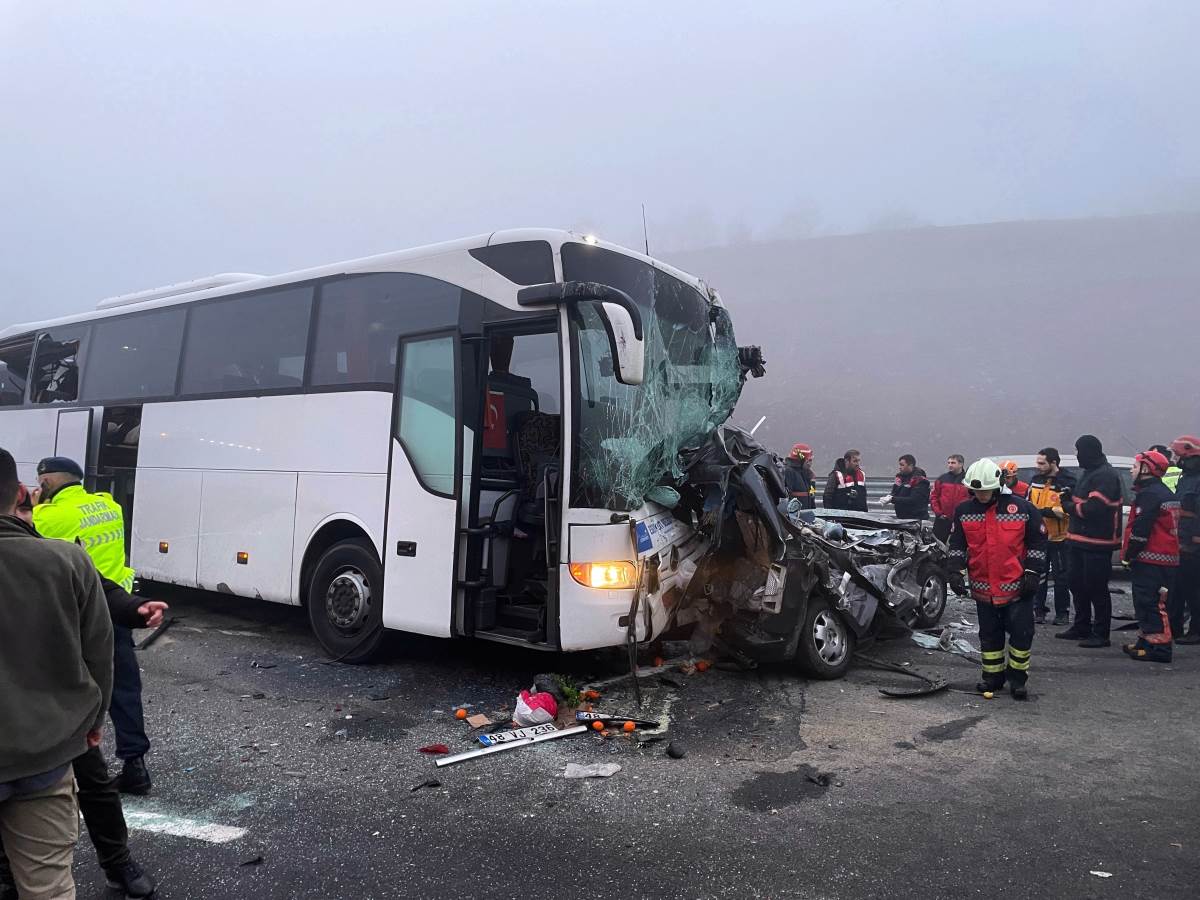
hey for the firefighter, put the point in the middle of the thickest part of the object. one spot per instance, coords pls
(1000, 539)
(1012, 479)
(66, 511)
(799, 478)
(1151, 552)
(1185, 599)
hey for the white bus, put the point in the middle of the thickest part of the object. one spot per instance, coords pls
(453, 440)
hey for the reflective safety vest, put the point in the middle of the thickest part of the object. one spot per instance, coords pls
(95, 522)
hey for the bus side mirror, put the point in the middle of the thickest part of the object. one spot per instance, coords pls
(621, 316)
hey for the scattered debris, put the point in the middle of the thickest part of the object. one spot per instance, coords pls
(479, 720)
(1100, 874)
(342, 733)
(535, 709)
(253, 861)
(505, 737)
(675, 751)
(158, 632)
(434, 749)
(427, 783)
(592, 770)
(499, 748)
(262, 665)
(295, 774)
(460, 713)
(823, 779)
(379, 696)
(608, 718)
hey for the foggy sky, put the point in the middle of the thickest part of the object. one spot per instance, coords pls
(146, 143)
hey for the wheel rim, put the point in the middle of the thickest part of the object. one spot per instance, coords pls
(829, 635)
(348, 600)
(931, 595)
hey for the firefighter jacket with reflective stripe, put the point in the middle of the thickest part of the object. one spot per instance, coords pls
(1044, 494)
(1152, 535)
(1095, 510)
(1188, 495)
(948, 491)
(95, 522)
(844, 491)
(997, 541)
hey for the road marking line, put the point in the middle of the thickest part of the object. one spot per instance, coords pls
(178, 826)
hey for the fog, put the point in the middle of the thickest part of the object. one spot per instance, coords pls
(987, 339)
(150, 143)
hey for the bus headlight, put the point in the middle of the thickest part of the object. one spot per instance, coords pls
(605, 575)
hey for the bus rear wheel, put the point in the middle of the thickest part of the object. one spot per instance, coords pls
(345, 601)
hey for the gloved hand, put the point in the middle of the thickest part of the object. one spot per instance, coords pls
(1125, 563)
(1030, 581)
(1049, 512)
(1065, 498)
(957, 583)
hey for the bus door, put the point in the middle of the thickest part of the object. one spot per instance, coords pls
(424, 485)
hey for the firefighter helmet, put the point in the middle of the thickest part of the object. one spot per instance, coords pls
(804, 450)
(983, 475)
(1186, 446)
(1156, 464)
(1009, 467)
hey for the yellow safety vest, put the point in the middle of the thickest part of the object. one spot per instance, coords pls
(95, 522)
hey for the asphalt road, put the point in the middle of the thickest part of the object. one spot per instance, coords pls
(292, 777)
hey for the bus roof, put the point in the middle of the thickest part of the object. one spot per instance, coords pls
(236, 282)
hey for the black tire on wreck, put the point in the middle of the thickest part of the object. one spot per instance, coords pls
(345, 601)
(826, 645)
(931, 580)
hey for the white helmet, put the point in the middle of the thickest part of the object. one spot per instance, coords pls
(984, 475)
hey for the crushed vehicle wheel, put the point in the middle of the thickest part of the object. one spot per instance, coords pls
(826, 644)
(345, 601)
(931, 582)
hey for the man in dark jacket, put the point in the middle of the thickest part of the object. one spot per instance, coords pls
(56, 650)
(946, 493)
(798, 476)
(1043, 492)
(1184, 601)
(909, 497)
(1094, 533)
(99, 798)
(847, 484)
(1151, 552)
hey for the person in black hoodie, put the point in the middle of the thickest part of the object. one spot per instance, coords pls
(910, 491)
(1094, 533)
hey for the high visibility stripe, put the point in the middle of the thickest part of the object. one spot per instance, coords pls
(1096, 495)
(993, 668)
(1018, 665)
(1021, 654)
(992, 654)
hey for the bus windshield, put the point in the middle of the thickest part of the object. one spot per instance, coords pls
(628, 438)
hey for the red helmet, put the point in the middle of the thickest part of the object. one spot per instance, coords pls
(804, 450)
(1154, 461)
(1186, 446)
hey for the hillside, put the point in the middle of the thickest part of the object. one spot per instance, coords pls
(984, 338)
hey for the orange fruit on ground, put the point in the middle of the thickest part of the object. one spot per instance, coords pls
(702, 665)
(599, 726)
(460, 714)
(658, 660)
(629, 726)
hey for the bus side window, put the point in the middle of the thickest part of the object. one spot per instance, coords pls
(57, 360)
(15, 360)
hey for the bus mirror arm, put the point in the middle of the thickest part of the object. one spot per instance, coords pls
(621, 317)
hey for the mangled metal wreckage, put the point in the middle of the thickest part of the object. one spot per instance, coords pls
(706, 501)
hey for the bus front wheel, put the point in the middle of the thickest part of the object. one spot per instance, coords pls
(345, 601)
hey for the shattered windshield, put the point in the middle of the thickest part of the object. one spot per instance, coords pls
(627, 437)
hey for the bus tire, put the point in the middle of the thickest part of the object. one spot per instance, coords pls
(345, 601)
(826, 645)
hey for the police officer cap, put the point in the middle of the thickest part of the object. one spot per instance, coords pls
(52, 464)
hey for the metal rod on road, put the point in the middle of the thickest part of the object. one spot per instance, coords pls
(500, 748)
